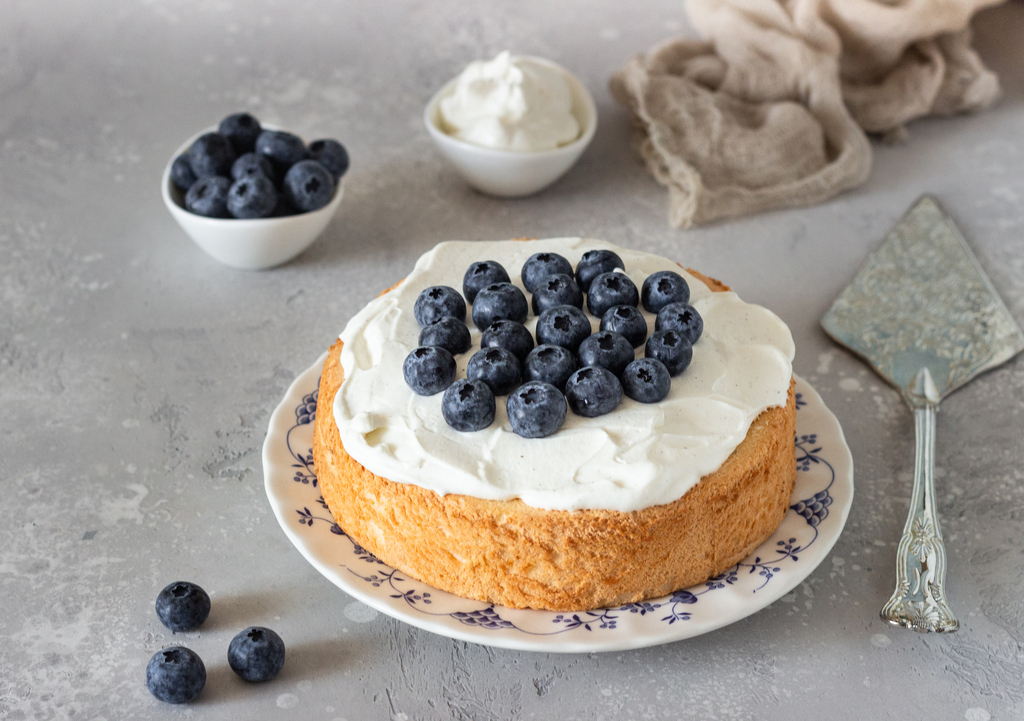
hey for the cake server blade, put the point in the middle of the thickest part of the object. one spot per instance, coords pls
(925, 316)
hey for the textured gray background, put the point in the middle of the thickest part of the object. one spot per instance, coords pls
(137, 376)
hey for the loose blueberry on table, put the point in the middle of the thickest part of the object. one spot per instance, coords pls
(175, 675)
(182, 606)
(256, 654)
(220, 172)
(468, 405)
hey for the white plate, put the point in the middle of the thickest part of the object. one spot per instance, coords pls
(821, 502)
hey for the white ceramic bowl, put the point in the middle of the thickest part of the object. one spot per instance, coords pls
(250, 244)
(508, 173)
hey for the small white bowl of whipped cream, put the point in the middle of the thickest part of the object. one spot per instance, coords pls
(512, 125)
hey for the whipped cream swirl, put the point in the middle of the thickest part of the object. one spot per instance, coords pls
(510, 104)
(637, 456)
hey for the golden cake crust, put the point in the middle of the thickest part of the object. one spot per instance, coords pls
(512, 554)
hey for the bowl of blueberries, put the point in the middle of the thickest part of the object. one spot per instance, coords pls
(254, 196)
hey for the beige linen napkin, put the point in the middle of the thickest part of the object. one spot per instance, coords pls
(770, 110)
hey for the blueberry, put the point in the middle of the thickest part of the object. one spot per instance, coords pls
(211, 154)
(540, 265)
(175, 675)
(536, 409)
(510, 335)
(308, 185)
(468, 405)
(551, 364)
(662, 288)
(283, 207)
(449, 333)
(182, 606)
(628, 321)
(593, 391)
(593, 263)
(481, 274)
(563, 325)
(429, 370)
(253, 164)
(611, 289)
(256, 654)
(496, 367)
(556, 289)
(672, 349)
(646, 380)
(181, 173)
(242, 130)
(499, 301)
(606, 349)
(282, 149)
(437, 302)
(331, 154)
(252, 197)
(682, 318)
(209, 196)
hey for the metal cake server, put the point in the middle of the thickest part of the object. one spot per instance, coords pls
(923, 313)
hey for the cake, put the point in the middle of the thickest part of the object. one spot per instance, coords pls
(635, 504)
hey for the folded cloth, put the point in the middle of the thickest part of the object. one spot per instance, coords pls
(770, 109)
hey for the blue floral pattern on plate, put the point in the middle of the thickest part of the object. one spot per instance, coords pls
(821, 502)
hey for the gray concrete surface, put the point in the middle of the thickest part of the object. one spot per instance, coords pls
(137, 376)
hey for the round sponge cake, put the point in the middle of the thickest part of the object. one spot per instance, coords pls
(510, 553)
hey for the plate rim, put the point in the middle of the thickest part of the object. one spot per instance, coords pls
(281, 421)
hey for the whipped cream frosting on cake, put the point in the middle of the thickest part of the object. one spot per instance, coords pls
(637, 456)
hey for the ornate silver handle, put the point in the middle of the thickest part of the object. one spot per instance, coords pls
(919, 601)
